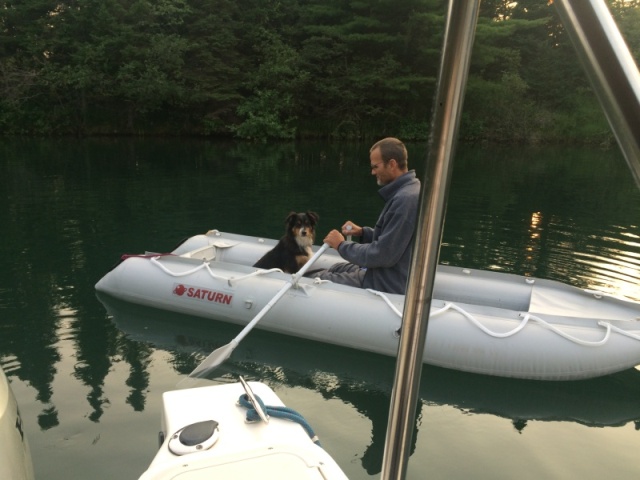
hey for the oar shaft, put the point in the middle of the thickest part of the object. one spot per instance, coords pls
(294, 279)
(263, 312)
(311, 261)
(219, 355)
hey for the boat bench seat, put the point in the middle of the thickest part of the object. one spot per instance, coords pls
(207, 253)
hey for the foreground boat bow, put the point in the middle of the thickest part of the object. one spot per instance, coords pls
(205, 434)
(15, 455)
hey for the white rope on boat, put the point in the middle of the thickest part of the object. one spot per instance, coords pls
(447, 306)
(451, 306)
(620, 331)
(525, 319)
(205, 265)
(572, 338)
(155, 261)
(232, 280)
(387, 301)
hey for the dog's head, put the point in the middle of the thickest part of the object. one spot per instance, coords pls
(302, 226)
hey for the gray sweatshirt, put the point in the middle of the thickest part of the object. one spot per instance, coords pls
(385, 250)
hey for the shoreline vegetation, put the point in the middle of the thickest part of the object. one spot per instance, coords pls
(291, 70)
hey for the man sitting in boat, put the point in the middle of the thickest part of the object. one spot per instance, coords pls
(382, 259)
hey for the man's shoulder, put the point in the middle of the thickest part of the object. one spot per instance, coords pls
(406, 184)
(410, 185)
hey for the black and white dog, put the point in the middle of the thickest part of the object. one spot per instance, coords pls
(294, 248)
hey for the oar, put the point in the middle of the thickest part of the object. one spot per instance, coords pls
(219, 355)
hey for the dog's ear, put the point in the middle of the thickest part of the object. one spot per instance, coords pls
(290, 218)
(313, 216)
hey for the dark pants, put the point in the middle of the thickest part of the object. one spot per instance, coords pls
(342, 273)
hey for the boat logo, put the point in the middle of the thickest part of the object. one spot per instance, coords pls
(205, 294)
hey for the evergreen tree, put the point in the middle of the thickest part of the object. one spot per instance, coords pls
(283, 69)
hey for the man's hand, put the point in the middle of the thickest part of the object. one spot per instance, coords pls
(350, 228)
(334, 238)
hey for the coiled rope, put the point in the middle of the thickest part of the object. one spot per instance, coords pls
(277, 412)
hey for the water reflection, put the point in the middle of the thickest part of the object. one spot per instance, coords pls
(364, 380)
(550, 220)
(33, 360)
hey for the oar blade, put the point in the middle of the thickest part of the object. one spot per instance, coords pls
(214, 359)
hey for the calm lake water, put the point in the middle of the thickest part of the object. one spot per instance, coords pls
(89, 374)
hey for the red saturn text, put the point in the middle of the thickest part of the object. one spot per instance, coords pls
(213, 296)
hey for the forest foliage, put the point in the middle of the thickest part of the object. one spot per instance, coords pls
(285, 69)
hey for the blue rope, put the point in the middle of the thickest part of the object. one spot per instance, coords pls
(278, 412)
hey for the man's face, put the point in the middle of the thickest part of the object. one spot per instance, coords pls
(379, 168)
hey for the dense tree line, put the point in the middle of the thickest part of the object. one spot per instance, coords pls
(283, 69)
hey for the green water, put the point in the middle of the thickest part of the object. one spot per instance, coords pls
(89, 382)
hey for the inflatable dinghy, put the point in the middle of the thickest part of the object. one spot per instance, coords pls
(482, 322)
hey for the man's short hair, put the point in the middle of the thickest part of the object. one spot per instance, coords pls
(392, 148)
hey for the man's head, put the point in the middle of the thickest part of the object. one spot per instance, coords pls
(388, 158)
